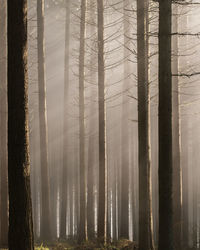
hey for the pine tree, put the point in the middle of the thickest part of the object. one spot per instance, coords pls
(20, 211)
(145, 209)
(165, 127)
(3, 129)
(82, 226)
(45, 196)
(102, 206)
(65, 125)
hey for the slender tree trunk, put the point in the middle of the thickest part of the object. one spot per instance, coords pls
(71, 194)
(133, 194)
(134, 187)
(90, 201)
(83, 225)
(165, 128)
(108, 227)
(124, 230)
(177, 172)
(102, 210)
(76, 200)
(194, 182)
(45, 196)
(20, 211)
(118, 199)
(185, 207)
(145, 210)
(3, 129)
(114, 201)
(65, 132)
(34, 176)
(92, 138)
(185, 139)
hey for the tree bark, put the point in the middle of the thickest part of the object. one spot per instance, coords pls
(185, 165)
(185, 137)
(92, 137)
(65, 132)
(194, 164)
(102, 210)
(145, 209)
(45, 196)
(124, 229)
(114, 201)
(20, 211)
(83, 216)
(165, 128)
(3, 129)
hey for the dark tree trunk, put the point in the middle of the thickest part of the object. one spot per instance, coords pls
(45, 196)
(65, 132)
(20, 211)
(102, 210)
(82, 226)
(3, 129)
(145, 210)
(165, 128)
(124, 229)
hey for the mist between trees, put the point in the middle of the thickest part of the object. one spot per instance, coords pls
(99, 107)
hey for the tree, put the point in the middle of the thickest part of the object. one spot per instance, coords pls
(185, 139)
(83, 226)
(102, 206)
(165, 127)
(65, 132)
(3, 129)
(20, 212)
(124, 217)
(145, 210)
(45, 198)
(92, 137)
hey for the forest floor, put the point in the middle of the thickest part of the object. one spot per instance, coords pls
(118, 245)
(70, 245)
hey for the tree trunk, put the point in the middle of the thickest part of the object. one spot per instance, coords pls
(145, 210)
(65, 132)
(177, 172)
(34, 177)
(20, 211)
(185, 180)
(185, 139)
(102, 210)
(82, 226)
(92, 137)
(165, 128)
(3, 129)
(124, 229)
(45, 196)
(114, 201)
(194, 164)
(90, 186)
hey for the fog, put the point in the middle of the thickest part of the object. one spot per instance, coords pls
(121, 107)
(66, 185)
